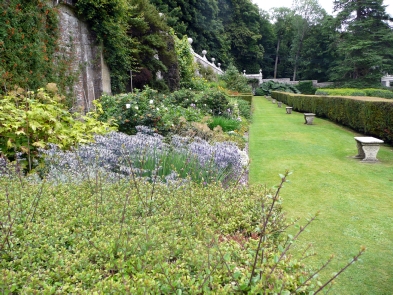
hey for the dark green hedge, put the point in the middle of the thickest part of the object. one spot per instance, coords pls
(374, 118)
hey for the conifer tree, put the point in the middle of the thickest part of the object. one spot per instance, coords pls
(365, 44)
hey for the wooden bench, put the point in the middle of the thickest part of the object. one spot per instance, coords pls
(368, 148)
(289, 110)
(309, 118)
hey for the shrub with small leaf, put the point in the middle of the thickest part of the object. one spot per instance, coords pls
(266, 88)
(137, 237)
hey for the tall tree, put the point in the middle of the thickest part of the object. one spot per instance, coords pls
(243, 23)
(319, 51)
(283, 18)
(366, 42)
(268, 42)
(307, 14)
(199, 20)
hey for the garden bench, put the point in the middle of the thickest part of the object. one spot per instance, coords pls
(289, 110)
(279, 104)
(309, 118)
(368, 148)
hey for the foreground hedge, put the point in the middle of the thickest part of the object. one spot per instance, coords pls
(370, 116)
(135, 237)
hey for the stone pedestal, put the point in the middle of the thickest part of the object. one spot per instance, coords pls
(309, 118)
(289, 110)
(368, 148)
(273, 100)
(279, 104)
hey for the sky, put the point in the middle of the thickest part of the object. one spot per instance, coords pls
(327, 4)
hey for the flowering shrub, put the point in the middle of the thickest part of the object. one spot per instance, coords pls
(147, 155)
(214, 101)
(146, 108)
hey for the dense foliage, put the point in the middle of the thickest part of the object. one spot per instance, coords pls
(364, 49)
(368, 116)
(384, 93)
(235, 81)
(131, 236)
(132, 33)
(29, 53)
(266, 88)
(163, 113)
(306, 87)
(32, 120)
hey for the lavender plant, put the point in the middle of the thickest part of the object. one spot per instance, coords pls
(146, 155)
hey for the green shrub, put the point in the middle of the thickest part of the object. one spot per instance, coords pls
(368, 117)
(225, 123)
(32, 120)
(240, 107)
(266, 88)
(214, 101)
(383, 93)
(184, 97)
(235, 81)
(306, 87)
(136, 237)
(160, 112)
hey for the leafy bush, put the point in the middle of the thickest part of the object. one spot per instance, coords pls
(266, 88)
(383, 93)
(207, 73)
(235, 81)
(306, 87)
(365, 116)
(136, 237)
(214, 101)
(187, 65)
(184, 97)
(240, 107)
(225, 123)
(32, 120)
(148, 108)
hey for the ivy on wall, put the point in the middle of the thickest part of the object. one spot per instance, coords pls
(29, 52)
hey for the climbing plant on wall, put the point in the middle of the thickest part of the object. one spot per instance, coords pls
(28, 46)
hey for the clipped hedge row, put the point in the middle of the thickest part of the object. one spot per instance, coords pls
(374, 92)
(244, 96)
(370, 116)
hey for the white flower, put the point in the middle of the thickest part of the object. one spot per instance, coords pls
(136, 107)
(128, 105)
(151, 101)
(158, 109)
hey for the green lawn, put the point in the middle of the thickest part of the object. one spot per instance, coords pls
(355, 199)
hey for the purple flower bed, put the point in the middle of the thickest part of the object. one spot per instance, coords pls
(117, 155)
